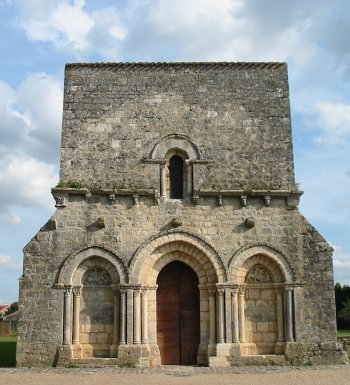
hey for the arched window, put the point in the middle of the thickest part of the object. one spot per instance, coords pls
(176, 176)
(177, 155)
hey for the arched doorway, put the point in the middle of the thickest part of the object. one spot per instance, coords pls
(178, 314)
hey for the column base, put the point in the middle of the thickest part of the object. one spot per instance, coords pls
(134, 355)
(65, 354)
(76, 350)
(113, 350)
(223, 355)
(202, 354)
(279, 347)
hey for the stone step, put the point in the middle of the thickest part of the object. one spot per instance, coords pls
(94, 362)
(218, 362)
(263, 360)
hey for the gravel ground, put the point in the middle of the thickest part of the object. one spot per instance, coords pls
(169, 375)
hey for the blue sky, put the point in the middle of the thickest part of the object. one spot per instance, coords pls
(39, 36)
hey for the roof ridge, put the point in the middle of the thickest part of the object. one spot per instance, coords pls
(159, 65)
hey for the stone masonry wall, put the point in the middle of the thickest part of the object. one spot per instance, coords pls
(237, 114)
(128, 226)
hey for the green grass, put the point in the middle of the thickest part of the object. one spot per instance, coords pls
(343, 333)
(7, 352)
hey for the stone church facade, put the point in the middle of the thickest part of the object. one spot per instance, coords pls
(177, 237)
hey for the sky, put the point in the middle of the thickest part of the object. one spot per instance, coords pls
(39, 36)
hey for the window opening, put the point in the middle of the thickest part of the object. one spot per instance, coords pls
(176, 173)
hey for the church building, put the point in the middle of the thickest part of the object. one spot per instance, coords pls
(177, 238)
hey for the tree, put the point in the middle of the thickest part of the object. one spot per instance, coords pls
(12, 308)
(342, 301)
(344, 313)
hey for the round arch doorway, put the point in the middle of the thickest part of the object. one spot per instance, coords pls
(178, 314)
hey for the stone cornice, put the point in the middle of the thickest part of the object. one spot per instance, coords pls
(276, 193)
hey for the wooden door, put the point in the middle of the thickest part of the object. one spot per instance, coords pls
(178, 314)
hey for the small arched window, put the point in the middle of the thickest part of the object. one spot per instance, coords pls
(176, 175)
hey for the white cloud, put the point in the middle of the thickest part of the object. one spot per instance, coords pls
(30, 117)
(341, 263)
(108, 33)
(339, 254)
(26, 182)
(185, 29)
(63, 23)
(333, 119)
(30, 121)
(9, 216)
(8, 264)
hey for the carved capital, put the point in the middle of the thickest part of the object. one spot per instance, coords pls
(288, 289)
(241, 290)
(68, 290)
(122, 292)
(220, 290)
(77, 291)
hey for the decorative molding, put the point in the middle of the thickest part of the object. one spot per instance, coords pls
(262, 248)
(146, 249)
(72, 262)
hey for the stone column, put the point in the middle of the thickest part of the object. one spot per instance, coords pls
(289, 314)
(137, 316)
(280, 320)
(241, 315)
(235, 336)
(228, 314)
(220, 296)
(152, 314)
(129, 315)
(116, 327)
(76, 313)
(122, 316)
(67, 319)
(188, 177)
(212, 317)
(144, 316)
(163, 180)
